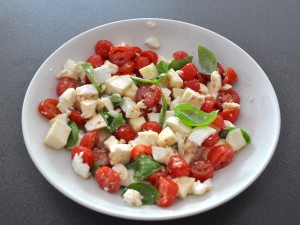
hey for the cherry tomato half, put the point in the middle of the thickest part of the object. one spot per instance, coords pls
(66, 83)
(141, 61)
(151, 55)
(125, 132)
(229, 95)
(230, 114)
(136, 50)
(230, 76)
(48, 108)
(88, 155)
(201, 169)
(120, 54)
(192, 84)
(90, 139)
(189, 72)
(220, 69)
(168, 190)
(218, 123)
(177, 166)
(103, 47)
(220, 156)
(77, 118)
(153, 177)
(95, 60)
(151, 125)
(208, 105)
(151, 94)
(138, 150)
(179, 55)
(127, 68)
(211, 140)
(108, 179)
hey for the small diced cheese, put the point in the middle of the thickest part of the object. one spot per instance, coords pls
(57, 135)
(130, 178)
(101, 74)
(148, 137)
(199, 188)
(80, 168)
(118, 84)
(149, 71)
(63, 117)
(166, 93)
(96, 122)
(121, 170)
(166, 137)
(136, 123)
(130, 108)
(177, 126)
(177, 92)
(174, 79)
(199, 134)
(152, 42)
(112, 67)
(175, 102)
(120, 154)
(184, 185)
(215, 84)
(107, 103)
(131, 92)
(203, 89)
(230, 105)
(88, 108)
(71, 69)
(87, 91)
(192, 97)
(112, 140)
(236, 139)
(132, 197)
(66, 100)
(228, 124)
(153, 117)
(162, 155)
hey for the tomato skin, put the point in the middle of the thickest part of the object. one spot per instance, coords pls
(177, 166)
(230, 114)
(202, 78)
(77, 118)
(189, 72)
(151, 94)
(201, 169)
(153, 177)
(209, 105)
(151, 55)
(218, 123)
(136, 50)
(90, 139)
(179, 55)
(66, 83)
(168, 190)
(229, 95)
(95, 60)
(125, 132)
(220, 69)
(120, 54)
(192, 84)
(108, 179)
(48, 108)
(230, 76)
(220, 156)
(103, 47)
(138, 150)
(101, 157)
(211, 140)
(151, 125)
(127, 68)
(141, 61)
(88, 155)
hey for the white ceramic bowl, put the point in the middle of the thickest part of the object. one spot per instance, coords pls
(260, 117)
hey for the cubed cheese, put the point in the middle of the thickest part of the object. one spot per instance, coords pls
(101, 74)
(66, 100)
(148, 137)
(57, 135)
(230, 105)
(174, 79)
(236, 139)
(177, 92)
(166, 137)
(166, 93)
(87, 91)
(149, 71)
(184, 185)
(177, 126)
(130, 178)
(130, 108)
(136, 123)
(63, 117)
(71, 69)
(112, 67)
(199, 134)
(203, 89)
(107, 103)
(88, 108)
(118, 84)
(96, 122)
(121, 170)
(192, 97)
(152, 42)
(131, 92)
(161, 154)
(215, 84)
(80, 168)
(154, 117)
(132, 197)
(228, 124)
(199, 188)
(119, 154)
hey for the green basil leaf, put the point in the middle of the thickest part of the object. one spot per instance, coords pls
(162, 67)
(139, 80)
(246, 136)
(116, 99)
(73, 137)
(178, 64)
(144, 166)
(89, 70)
(192, 116)
(207, 60)
(223, 133)
(164, 108)
(150, 194)
(116, 123)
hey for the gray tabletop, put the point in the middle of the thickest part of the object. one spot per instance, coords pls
(31, 30)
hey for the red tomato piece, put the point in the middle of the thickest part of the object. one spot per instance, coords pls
(66, 83)
(90, 139)
(177, 166)
(95, 60)
(125, 132)
(192, 84)
(218, 123)
(230, 76)
(48, 108)
(220, 156)
(101, 157)
(77, 118)
(153, 177)
(209, 105)
(211, 140)
(179, 55)
(168, 190)
(108, 179)
(151, 94)
(88, 155)
(103, 47)
(229, 95)
(202, 78)
(230, 114)
(151, 55)
(151, 125)
(220, 69)
(120, 54)
(141, 61)
(136, 50)
(201, 169)
(189, 72)
(127, 68)
(138, 150)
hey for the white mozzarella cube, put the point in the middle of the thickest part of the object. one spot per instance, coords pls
(184, 185)
(80, 168)
(228, 124)
(148, 137)
(101, 74)
(118, 84)
(199, 188)
(112, 67)
(132, 197)
(174, 79)
(230, 105)
(177, 92)
(153, 117)
(71, 69)
(136, 123)
(166, 137)
(152, 42)
(87, 91)
(175, 102)
(112, 140)
(192, 97)
(107, 103)
(149, 71)
(63, 117)
(131, 92)
(120, 154)
(130, 178)
(161, 154)
(203, 89)
(166, 93)
(130, 108)
(236, 139)
(121, 170)
(57, 135)
(96, 122)
(66, 100)
(199, 134)
(215, 84)
(88, 108)
(177, 126)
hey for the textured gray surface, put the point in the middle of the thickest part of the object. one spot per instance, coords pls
(31, 30)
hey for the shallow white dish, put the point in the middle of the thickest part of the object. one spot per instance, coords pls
(256, 117)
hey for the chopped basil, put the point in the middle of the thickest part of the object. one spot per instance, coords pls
(116, 99)
(143, 166)
(164, 108)
(207, 60)
(113, 123)
(139, 80)
(89, 70)
(192, 116)
(162, 67)
(150, 194)
(73, 137)
(178, 64)
(223, 134)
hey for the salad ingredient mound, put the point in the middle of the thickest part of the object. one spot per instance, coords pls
(157, 128)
